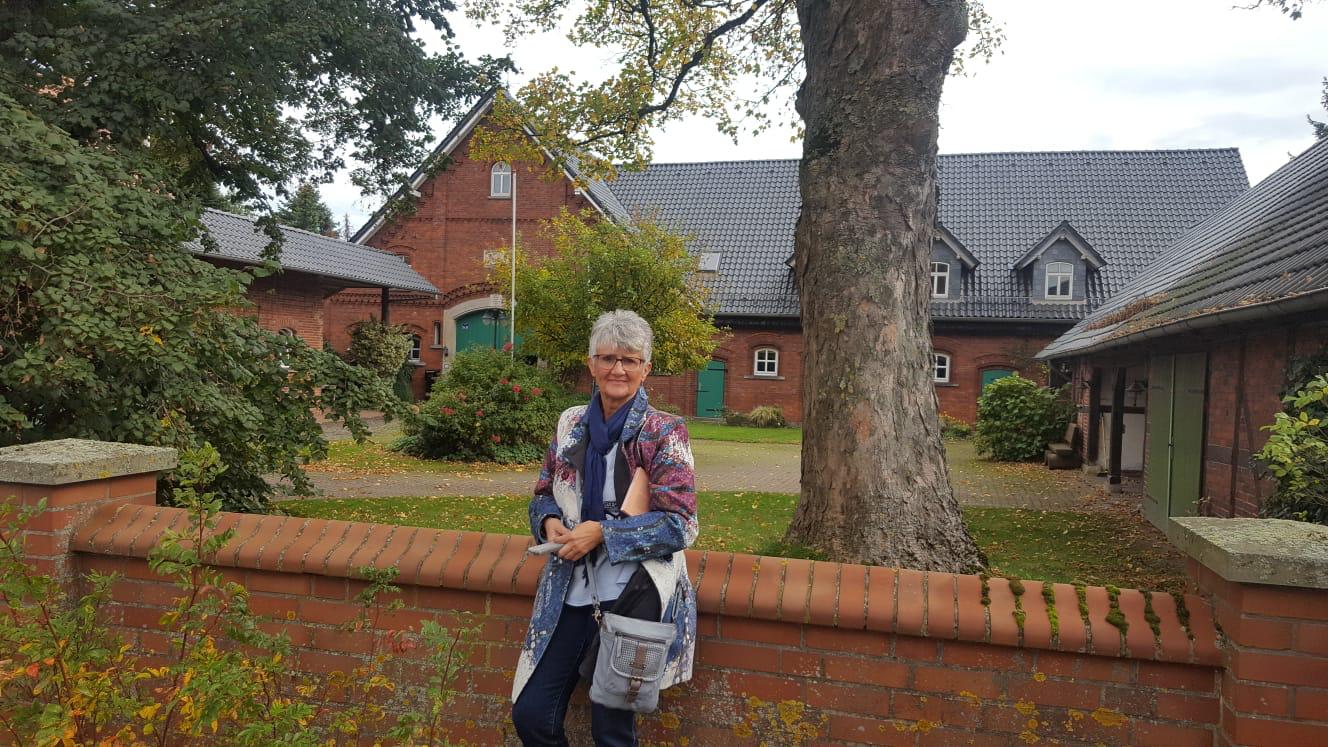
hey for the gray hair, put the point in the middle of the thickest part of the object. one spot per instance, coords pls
(622, 329)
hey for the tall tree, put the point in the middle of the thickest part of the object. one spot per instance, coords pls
(306, 209)
(599, 266)
(874, 483)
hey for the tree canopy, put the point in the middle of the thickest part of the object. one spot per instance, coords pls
(598, 266)
(244, 94)
(305, 209)
(119, 120)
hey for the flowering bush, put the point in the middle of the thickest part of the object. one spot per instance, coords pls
(488, 407)
(1296, 454)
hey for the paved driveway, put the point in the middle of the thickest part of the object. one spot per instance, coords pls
(773, 468)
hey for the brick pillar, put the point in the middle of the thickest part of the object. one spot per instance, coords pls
(74, 476)
(1268, 581)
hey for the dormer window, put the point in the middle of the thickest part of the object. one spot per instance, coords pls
(940, 280)
(500, 180)
(1060, 280)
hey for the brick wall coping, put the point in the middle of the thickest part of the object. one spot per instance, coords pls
(70, 460)
(1256, 551)
(928, 604)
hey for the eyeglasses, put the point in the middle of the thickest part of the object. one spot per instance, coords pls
(607, 362)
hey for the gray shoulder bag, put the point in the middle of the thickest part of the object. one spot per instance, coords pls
(632, 655)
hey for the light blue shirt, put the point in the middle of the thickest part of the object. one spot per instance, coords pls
(610, 579)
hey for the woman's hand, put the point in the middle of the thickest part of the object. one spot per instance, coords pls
(637, 501)
(554, 531)
(586, 537)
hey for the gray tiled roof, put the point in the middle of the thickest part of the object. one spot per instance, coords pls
(1128, 205)
(1264, 255)
(302, 251)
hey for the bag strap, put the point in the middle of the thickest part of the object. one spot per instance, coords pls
(594, 592)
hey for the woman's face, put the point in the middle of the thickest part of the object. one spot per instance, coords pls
(618, 372)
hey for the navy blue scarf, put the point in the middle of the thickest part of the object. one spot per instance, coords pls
(602, 437)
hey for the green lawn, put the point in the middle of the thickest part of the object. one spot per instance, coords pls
(703, 430)
(374, 458)
(1095, 548)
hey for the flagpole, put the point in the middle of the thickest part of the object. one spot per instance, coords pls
(512, 313)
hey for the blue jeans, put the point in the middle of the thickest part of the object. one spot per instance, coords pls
(539, 712)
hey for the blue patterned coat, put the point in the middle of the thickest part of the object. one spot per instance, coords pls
(656, 538)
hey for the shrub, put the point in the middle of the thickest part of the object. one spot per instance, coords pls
(488, 407)
(666, 407)
(733, 417)
(767, 416)
(1297, 456)
(954, 428)
(379, 347)
(1017, 418)
(68, 679)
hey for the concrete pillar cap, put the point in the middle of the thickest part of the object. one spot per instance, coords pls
(1256, 551)
(70, 460)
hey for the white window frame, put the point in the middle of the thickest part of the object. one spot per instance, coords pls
(1059, 274)
(416, 346)
(940, 275)
(500, 180)
(765, 365)
(941, 362)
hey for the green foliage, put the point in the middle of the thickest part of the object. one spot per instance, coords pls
(1017, 418)
(379, 347)
(487, 407)
(245, 94)
(69, 680)
(952, 427)
(763, 416)
(600, 266)
(113, 332)
(306, 210)
(1296, 454)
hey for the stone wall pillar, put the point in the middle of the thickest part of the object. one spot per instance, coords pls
(1268, 581)
(74, 477)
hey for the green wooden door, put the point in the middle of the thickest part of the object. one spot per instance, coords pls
(1187, 427)
(991, 374)
(1176, 388)
(1157, 482)
(710, 390)
(484, 328)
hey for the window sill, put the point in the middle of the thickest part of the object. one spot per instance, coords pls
(764, 378)
(416, 362)
(435, 347)
(944, 383)
(500, 197)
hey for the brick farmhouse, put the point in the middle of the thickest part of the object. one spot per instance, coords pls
(1027, 244)
(1196, 350)
(313, 268)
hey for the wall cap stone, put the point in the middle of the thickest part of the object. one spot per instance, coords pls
(1256, 551)
(69, 460)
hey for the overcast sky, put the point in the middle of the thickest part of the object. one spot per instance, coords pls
(1071, 75)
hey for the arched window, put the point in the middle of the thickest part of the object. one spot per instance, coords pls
(1060, 280)
(940, 371)
(940, 280)
(287, 331)
(767, 362)
(437, 334)
(414, 349)
(500, 180)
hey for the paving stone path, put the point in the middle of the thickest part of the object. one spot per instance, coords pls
(731, 466)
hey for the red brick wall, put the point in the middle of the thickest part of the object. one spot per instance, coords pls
(971, 354)
(291, 301)
(843, 653)
(1246, 373)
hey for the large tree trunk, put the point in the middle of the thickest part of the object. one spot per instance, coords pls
(874, 484)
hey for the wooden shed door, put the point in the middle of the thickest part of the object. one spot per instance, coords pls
(1176, 392)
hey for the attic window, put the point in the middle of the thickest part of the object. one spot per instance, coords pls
(500, 180)
(940, 280)
(709, 262)
(1060, 280)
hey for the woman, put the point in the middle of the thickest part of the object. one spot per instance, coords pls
(584, 500)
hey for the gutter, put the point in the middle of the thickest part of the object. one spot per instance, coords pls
(1312, 301)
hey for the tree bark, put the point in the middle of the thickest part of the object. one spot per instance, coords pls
(874, 484)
